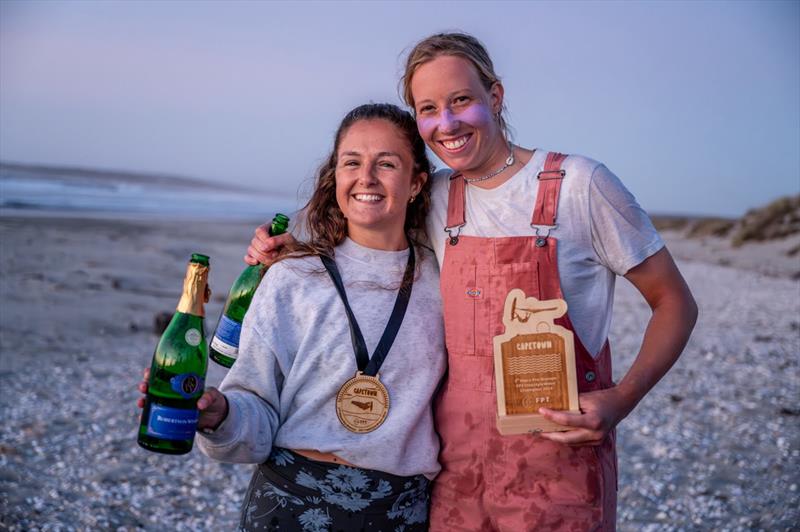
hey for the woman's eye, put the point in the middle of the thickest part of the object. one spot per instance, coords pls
(425, 109)
(387, 164)
(350, 163)
(461, 99)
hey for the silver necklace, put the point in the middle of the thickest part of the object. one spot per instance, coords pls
(509, 162)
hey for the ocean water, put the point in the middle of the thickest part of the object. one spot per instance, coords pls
(48, 193)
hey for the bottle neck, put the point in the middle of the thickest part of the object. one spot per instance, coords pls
(195, 290)
(279, 224)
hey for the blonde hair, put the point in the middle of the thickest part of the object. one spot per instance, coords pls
(456, 44)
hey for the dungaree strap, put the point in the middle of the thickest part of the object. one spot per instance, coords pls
(544, 212)
(545, 208)
(455, 202)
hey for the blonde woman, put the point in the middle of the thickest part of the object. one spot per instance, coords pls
(558, 227)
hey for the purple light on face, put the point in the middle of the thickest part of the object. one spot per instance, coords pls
(426, 125)
(475, 116)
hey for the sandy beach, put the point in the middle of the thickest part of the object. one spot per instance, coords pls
(715, 446)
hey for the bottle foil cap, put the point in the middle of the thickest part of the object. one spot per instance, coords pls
(195, 290)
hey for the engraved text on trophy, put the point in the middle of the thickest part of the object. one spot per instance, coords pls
(536, 373)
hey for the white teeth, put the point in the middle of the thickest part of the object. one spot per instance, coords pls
(454, 144)
(367, 197)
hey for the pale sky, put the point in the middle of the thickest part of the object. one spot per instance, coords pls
(695, 105)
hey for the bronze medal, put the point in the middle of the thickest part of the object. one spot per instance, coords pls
(362, 403)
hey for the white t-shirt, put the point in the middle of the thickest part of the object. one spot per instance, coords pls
(295, 353)
(601, 231)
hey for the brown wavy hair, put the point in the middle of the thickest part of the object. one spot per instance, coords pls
(457, 44)
(324, 224)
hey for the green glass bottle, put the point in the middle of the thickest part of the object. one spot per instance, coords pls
(178, 370)
(225, 344)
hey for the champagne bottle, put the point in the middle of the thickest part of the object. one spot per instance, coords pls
(178, 370)
(225, 344)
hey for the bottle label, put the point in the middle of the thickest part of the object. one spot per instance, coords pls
(187, 384)
(193, 337)
(226, 338)
(171, 423)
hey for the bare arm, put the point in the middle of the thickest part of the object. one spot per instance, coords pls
(674, 315)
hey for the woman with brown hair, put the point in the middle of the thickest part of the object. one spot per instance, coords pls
(342, 349)
(558, 227)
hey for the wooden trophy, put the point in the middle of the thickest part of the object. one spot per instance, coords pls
(534, 365)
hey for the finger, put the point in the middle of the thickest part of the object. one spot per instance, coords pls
(255, 251)
(269, 258)
(271, 243)
(593, 443)
(252, 253)
(204, 401)
(209, 399)
(260, 258)
(262, 233)
(143, 387)
(252, 256)
(579, 437)
(562, 417)
(146, 373)
(259, 246)
(281, 240)
(140, 402)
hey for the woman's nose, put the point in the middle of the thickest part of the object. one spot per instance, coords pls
(367, 174)
(448, 122)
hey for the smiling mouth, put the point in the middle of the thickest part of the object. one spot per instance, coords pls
(456, 144)
(367, 198)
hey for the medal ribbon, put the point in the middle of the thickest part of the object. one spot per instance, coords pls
(367, 365)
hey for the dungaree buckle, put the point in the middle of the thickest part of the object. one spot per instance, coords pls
(551, 174)
(453, 238)
(541, 240)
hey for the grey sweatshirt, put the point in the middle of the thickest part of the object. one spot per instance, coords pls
(295, 353)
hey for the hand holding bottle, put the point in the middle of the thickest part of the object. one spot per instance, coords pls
(224, 346)
(178, 370)
(213, 405)
(264, 248)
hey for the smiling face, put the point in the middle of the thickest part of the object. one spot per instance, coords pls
(456, 115)
(375, 180)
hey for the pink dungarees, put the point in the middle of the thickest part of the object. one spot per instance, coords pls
(510, 483)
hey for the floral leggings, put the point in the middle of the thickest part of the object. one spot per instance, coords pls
(289, 492)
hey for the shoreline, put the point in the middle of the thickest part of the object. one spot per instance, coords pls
(111, 217)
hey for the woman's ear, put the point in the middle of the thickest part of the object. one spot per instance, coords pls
(419, 182)
(496, 94)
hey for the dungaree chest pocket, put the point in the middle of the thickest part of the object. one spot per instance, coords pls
(464, 300)
(503, 279)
